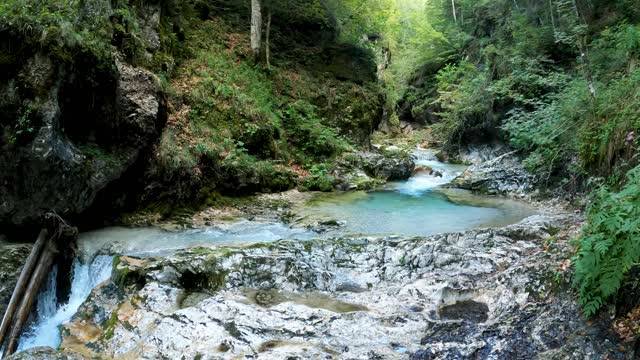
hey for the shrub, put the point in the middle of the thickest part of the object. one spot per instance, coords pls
(609, 244)
(61, 25)
(319, 180)
(462, 95)
(616, 113)
(307, 132)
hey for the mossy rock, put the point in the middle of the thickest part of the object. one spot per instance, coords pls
(129, 272)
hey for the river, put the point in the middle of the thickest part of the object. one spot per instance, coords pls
(417, 207)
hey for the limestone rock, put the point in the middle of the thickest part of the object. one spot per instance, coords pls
(487, 294)
(360, 170)
(504, 175)
(88, 125)
(46, 353)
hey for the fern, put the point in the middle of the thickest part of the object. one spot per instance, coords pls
(609, 244)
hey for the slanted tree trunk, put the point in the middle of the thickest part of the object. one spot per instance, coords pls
(256, 29)
(582, 48)
(37, 268)
(21, 285)
(37, 279)
(553, 19)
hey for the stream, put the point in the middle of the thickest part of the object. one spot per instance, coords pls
(417, 207)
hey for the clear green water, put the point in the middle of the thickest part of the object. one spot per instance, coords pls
(431, 212)
(417, 207)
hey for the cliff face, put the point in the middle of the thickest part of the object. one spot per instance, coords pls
(70, 128)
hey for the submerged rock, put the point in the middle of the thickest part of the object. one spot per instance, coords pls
(482, 294)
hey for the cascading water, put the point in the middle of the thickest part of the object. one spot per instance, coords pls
(442, 174)
(45, 330)
(419, 206)
(139, 242)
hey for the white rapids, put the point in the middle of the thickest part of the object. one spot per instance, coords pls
(421, 183)
(85, 277)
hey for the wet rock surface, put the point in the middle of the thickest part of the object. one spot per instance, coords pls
(12, 259)
(40, 353)
(482, 294)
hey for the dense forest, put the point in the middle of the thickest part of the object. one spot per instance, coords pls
(112, 111)
(558, 81)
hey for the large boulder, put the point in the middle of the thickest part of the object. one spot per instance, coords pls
(504, 175)
(363, 170)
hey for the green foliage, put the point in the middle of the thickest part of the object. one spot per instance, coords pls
(462, 95)
(616, 50)
(609, 245)
(547, 133)
(66, 28)
(308, 133)
(24, 126)
(616, 114)
(524, 77)
(403, 31)
(234, 102)
(237, 120)
(60, 25)
(319, 179)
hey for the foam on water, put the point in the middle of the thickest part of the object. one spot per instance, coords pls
(45, 330)
(422, 183)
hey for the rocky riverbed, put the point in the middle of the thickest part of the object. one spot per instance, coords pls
(481, 294)
(495, 293)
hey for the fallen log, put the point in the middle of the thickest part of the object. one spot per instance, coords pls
(31, 293)
(21, 285)
(56, 236)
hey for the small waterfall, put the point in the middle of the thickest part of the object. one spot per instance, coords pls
(45, 330)
(423, 155)
(443, 173)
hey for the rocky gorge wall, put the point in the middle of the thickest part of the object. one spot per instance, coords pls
(84, 129)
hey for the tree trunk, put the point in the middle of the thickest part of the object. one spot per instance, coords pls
(553, 19)
(21, 285)
(256, 29)
(582, 47)
(267, 43)
(453, 9)
(39, 275)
